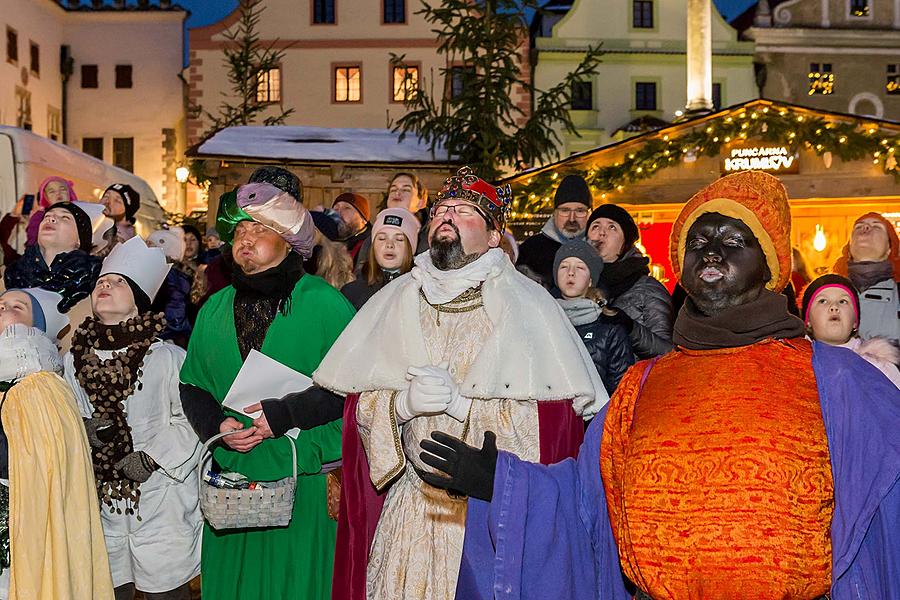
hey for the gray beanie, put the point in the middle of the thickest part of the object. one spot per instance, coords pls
(582, 250)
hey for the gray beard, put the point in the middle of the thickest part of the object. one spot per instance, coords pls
(448, 255)
(570, 235)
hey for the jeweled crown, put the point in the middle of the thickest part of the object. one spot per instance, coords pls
(465, 185)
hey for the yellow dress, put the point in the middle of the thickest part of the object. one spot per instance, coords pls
(57, 550)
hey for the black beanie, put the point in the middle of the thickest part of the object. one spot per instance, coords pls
(620, 216)
(573, 188)
(582, 250)
(130, 198)
(141, 299)
(281, 178)
(828, 281)
(82, 224)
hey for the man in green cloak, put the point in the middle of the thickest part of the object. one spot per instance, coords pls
(290, 316)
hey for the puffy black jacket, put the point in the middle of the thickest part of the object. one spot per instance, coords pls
(72, 274)
(610, 349)
(649, 304)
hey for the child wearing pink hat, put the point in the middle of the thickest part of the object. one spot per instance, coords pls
(52, 190)
(831, 313)
(394, 239)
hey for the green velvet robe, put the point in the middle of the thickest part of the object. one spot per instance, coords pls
(294, 561)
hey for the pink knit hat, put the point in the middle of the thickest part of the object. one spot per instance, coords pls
(42, 200)
(399, 219)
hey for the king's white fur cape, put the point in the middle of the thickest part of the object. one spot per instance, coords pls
(532, 354)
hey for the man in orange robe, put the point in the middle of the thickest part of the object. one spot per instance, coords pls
(747, 463)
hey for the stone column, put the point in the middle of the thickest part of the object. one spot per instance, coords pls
(699, 55)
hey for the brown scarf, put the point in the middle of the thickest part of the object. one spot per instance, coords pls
(108, 383)
(765, 317)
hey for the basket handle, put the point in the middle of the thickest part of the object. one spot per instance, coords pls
(206, 454)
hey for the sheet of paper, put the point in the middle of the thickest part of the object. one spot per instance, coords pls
(261, 378)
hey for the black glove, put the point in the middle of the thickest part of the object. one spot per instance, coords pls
(99, 432)
(137, 466)
(618, 318)
(310, 408)
(470, 470)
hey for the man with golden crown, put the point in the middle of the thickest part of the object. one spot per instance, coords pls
(462, 343)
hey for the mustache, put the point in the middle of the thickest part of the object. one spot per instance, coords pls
(446, 222)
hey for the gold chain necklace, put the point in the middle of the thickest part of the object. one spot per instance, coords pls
(468, 301)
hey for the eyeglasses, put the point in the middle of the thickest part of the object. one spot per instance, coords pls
(579, 212)
(462, 210)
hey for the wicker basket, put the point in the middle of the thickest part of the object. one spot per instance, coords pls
(270, 506)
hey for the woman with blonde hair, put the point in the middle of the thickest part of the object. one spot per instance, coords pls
(331, 261)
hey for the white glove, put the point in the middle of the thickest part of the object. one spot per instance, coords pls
(426, 395)
(437, 383)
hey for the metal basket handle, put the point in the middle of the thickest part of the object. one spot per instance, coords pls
(206, 455)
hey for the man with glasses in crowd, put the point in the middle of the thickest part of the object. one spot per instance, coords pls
(459, 345)
(572, 205)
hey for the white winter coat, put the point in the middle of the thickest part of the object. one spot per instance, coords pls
(162, 550)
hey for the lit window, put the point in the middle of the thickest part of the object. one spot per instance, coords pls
(268, 88)
(645, 95)
(821, 79)
(406, 83)
(642, 14)
(394, 11)
(347, 86)
(323, 12)
(859, 8)
(892, 86)
(582, 95)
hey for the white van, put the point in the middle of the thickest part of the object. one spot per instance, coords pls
(26, 159)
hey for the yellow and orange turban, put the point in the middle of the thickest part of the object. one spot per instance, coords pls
(757, 199)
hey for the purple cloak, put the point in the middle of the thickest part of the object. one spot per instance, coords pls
(546, 533)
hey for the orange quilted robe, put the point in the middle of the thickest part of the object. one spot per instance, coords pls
(718, 478)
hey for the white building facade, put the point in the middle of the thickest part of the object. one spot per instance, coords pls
(641, 83)
(105, 79)
(336, 70)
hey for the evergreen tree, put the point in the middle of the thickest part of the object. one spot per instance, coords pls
(474, 117)
(248, 62)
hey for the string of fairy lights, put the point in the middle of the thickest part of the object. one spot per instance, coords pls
(847, 140)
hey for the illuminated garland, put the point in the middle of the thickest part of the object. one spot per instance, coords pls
(848, 141)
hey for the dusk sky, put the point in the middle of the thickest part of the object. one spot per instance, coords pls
(204, 12)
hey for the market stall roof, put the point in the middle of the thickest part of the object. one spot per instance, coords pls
(316, 145)
(585, 160)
